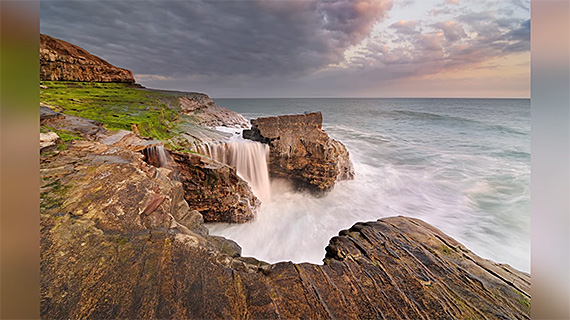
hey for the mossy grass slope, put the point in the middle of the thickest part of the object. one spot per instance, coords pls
(116, 105)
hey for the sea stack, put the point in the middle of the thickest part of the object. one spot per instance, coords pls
(302, 151)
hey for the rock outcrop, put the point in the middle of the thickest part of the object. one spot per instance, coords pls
(208, 114)
(119, 240)
(63, 61)
(214, 189)
(85, 128)
(48, 141)
(302, 151)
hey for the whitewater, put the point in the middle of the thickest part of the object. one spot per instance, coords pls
(462, 165)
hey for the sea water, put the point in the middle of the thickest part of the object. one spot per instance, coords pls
(462, 165)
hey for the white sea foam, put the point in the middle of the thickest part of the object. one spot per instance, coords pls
(468, 178)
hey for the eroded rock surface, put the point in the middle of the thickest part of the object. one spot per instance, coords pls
(119, 240)
(63, 61)
(214, 189)
(85, 128)
(302, 151)
(208, 114)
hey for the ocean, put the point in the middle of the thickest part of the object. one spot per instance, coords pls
(462, 165)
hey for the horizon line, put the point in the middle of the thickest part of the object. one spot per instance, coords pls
(504, 98)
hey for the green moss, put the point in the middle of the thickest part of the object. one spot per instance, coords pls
(446, 250)
(54, 196)
(117, 105)
(523, 300)
(121, 240)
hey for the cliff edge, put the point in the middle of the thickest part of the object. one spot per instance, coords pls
(63, 61)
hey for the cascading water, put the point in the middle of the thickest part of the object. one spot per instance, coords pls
(157, 156)
(250, 160)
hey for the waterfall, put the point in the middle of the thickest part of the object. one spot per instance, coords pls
(157, 156)
(250, 160)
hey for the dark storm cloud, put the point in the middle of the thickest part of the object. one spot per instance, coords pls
(214, 38)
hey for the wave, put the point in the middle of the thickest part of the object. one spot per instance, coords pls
(420, 115)
(431, 116)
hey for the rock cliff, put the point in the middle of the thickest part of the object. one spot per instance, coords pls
(214, 189)
(61, 60)
(302, 151)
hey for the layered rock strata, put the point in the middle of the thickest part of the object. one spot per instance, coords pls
(301, 150)
(120, 240)
(63, 61)
(214, 189)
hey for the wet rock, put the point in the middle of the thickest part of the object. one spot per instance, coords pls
(214, 189)
(302, 151)
(63, 61)
(394, 268)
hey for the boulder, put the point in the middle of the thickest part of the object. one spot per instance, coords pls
(214, 189)
(301, 150)
(63, 61)
(48, 141)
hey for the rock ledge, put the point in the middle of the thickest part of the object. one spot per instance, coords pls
(301, 150)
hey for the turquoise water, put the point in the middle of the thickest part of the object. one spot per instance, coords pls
(462, 165)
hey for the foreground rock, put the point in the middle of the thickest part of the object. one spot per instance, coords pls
(214, 189)
(302, 151)
(119, 240)
(63, 61)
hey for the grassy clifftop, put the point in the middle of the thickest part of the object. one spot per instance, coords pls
(116, 105)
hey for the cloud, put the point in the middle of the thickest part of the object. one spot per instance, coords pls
(288, 47)
(215, 38)
(151, 77)
(452, 31)
(405, 27)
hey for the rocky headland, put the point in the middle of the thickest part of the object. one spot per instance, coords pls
(122, 216)
(61, 60)
(302, 151)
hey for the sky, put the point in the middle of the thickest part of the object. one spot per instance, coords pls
(307, 48)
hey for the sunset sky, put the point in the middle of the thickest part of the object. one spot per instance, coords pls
(308, 48)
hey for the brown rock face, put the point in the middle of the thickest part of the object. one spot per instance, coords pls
(112, 248)
(302, 151)
(63, 61)
(214, 189)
